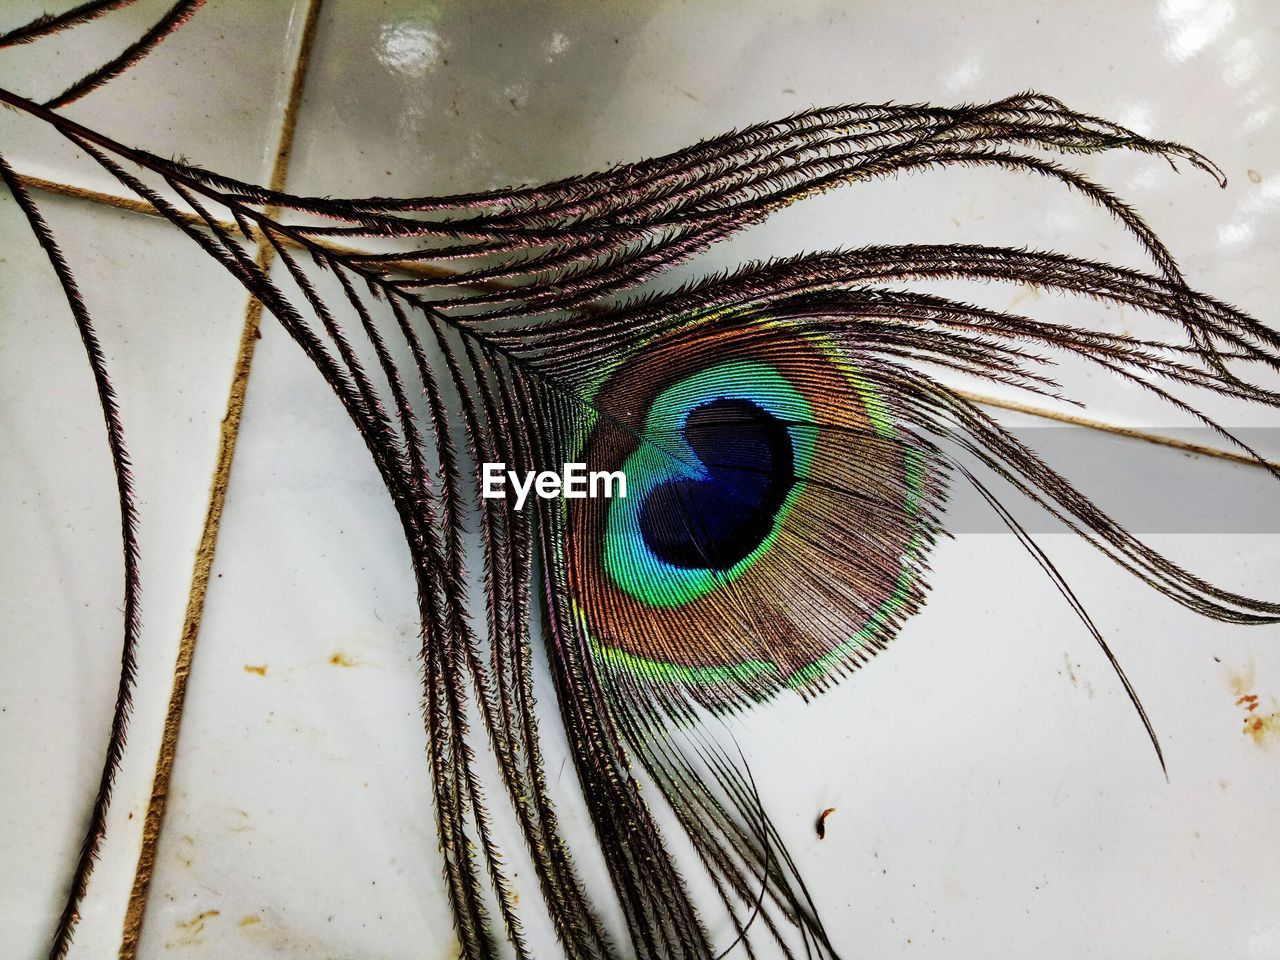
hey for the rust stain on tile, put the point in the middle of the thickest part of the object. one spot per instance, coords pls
(260, 670)
(1262, 727)
(340, 659)
(250, 920)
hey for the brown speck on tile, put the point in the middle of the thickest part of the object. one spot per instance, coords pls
(821, 825)
(1255, 176)
(259, 669)
(340, 659)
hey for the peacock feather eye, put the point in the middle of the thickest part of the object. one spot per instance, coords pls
(724, 512)
(773, 508)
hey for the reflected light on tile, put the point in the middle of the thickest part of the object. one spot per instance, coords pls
(1137, 116)
(1194, 24)
(1241, 62)
(964, 77)
(556, 46)
(1234, 234)
(1258, 119)
(409, 48)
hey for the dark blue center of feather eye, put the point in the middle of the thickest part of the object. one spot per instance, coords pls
(715, 522)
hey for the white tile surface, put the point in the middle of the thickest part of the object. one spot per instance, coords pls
(213, 92)
(168, 321)
(995, 794)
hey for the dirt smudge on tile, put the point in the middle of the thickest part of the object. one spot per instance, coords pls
(189, 930)
(1075, 677)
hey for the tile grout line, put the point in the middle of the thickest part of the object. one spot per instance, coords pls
(132, 205)
(1132, 433)
(154, 820)
(33, 182)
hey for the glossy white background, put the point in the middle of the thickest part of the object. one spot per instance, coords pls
(995, 795)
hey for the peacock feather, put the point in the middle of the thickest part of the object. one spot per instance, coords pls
(787, 444)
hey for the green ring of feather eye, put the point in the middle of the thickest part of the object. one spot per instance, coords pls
(626, 558)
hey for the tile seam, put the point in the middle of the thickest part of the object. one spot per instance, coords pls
(1133, 433)
(154, 820)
